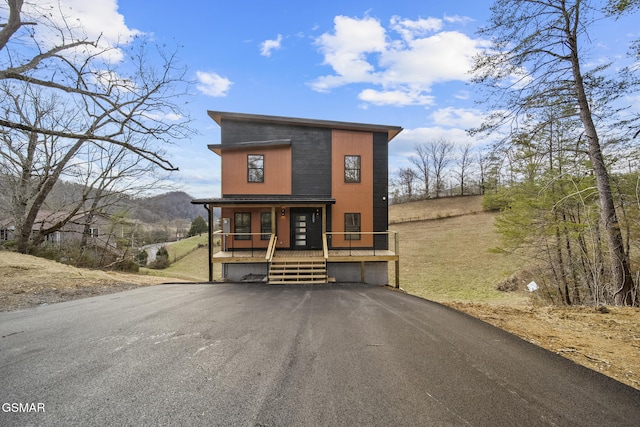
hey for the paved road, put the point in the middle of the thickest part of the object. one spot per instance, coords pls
(259, 355)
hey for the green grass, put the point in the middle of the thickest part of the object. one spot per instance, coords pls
(188, 261)
(183, 247)
(193, 267)
(454, 259)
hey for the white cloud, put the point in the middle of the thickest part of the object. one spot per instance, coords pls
(455, 19)
(92, 20)
(267, 46)
(395, 97)
(212, 84)
(409, 29)
(458, 117)
(405, 67)
(346, 51)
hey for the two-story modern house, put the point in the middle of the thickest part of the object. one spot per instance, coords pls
(302, 200)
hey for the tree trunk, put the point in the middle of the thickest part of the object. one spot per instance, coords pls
(621, 273)
(27, 222)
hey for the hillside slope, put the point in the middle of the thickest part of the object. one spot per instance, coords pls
(445, 207)
(27, 281)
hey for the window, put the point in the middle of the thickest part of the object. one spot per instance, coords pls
(255, 168)
(54, 237)
(265, 225)
(352, 169)
(242, 224)
(352, 223)
(93, 232)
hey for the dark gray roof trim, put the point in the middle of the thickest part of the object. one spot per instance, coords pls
(391, 131)
(250, 144)
(266, 199)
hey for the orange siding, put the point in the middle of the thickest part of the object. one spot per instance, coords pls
(282, 227)
(277, 171)
(352, 197)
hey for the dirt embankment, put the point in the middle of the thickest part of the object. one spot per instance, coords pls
(27, 281)
(605, 339)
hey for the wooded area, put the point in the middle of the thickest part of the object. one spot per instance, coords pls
(566, 146)
(94, 112)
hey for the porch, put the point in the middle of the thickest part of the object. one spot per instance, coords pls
(305, 266)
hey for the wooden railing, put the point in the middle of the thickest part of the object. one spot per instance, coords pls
(271, 249)
(325, 246)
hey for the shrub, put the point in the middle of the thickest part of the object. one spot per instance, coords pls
(142, 257)
(162, 259)
(127, 265)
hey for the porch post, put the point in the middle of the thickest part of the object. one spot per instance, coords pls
(324, 219)
(274, 222)
(210, 215)
(397, 261)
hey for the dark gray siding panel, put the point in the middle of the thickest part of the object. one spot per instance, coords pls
(311, 156)
(310, 151)
(380, 187)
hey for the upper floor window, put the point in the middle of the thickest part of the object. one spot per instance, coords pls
(351, 168)
(255, 168)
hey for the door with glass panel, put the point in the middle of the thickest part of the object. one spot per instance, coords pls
(306, 229)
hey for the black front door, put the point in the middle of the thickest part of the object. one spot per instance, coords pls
(306, 228)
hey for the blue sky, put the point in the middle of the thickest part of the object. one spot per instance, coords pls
(401, 63)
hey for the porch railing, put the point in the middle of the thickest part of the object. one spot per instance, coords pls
(392, 240)
(228, 242)
(271, 249)
(325, 246)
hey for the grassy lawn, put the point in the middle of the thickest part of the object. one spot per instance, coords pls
(193, 267)
(191, 255)
(451, 259)
(182, 247)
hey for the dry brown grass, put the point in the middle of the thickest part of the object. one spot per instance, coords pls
(446, 207)
(27, 281)
(605, 340)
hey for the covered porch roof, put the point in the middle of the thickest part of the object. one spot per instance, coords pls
(265, 200)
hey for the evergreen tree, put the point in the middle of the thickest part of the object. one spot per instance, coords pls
(198, 226)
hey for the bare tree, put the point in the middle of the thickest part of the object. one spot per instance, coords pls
(440, 152)
(464, 163)
(422, 162)
(406, 178)
(71, 97)
(537, 58)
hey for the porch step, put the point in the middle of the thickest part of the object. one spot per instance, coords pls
(298, 271)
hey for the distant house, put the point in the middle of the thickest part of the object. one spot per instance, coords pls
(98, 232)
(303, 200)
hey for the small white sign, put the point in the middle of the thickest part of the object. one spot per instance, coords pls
(533, 286)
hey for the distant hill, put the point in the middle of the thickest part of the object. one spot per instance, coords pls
(165, 207)
(174, 205)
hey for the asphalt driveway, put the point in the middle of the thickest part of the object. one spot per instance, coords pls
(259, 355)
